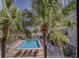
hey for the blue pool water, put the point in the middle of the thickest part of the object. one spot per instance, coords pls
(29, 44)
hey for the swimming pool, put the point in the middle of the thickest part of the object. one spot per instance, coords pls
(29, 44)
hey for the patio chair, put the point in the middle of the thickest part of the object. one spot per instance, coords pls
(35, 53)
(18, 53)
(25, 52)
(29, 53)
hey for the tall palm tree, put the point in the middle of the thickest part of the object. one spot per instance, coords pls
(42, 12)
(50, 12)
(9, 17)
(45, 32)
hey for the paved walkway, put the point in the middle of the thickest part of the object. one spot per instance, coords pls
(12, 50)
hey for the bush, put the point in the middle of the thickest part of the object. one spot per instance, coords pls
(66, 51)
(69, 51)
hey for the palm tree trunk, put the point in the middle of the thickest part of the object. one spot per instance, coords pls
(62, 51)
(45, 47)
(5, 31)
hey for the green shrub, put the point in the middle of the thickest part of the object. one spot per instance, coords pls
(66, 51)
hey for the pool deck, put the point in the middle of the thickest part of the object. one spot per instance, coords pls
(12, 51)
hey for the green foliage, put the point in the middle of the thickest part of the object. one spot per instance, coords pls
(10, 18)
(70, 7)
(45, 1)
(4, 23)
(51, 13)
(8, 3)
(4, 10)
(66, 51)
(44, 11)
(27, 33)
(9, 39)
(59, 36)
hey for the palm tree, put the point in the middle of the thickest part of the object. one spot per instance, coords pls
(9, 18)
(50, 12)
(42, 12)
(45, 32)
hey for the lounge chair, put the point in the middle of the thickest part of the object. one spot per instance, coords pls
(25, 52)
(18, 53)
(29, 53)
(35, 53)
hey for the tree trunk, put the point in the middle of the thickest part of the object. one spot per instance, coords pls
(5, 31)
(61, 49)
(62, 52)
(45, 47)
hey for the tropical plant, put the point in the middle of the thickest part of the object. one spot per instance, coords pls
(9, 17)
(50, 14)
(66, 51)
(28, 20)
(70, 7)
(59, 39)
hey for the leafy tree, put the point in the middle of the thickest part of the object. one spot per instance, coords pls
(51, 17)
